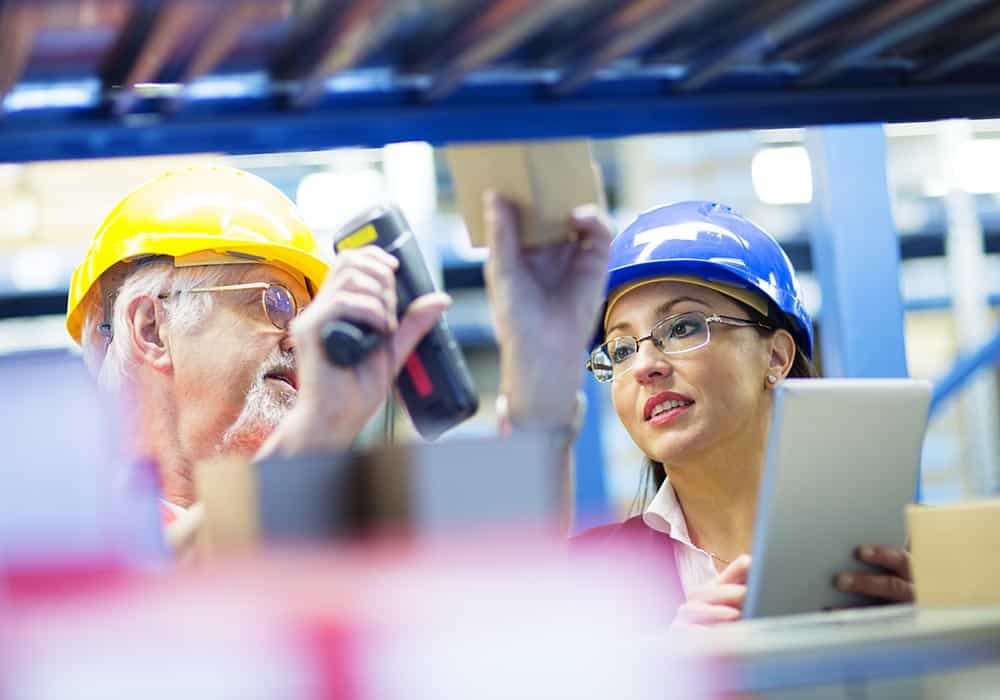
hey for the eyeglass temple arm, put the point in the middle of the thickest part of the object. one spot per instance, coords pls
(732, 321)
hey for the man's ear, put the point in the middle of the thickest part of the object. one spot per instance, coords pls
(782, 354)
(145, 333)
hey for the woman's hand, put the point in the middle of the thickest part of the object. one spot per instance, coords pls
(718, 601)
(545, 303)
(895, 585)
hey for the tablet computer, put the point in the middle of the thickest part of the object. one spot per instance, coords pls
(842, 462)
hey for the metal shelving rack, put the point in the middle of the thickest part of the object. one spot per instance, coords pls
(129, 77)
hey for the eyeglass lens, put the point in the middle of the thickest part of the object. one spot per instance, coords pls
(679, 334)
(280, 306)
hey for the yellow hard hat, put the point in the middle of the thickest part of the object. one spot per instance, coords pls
(199, 215)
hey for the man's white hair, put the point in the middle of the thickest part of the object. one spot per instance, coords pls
(112, 363)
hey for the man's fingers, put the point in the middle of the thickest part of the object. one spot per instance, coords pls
(697, 612)
(420, 317)
(370, 251)
(371, 261)
(364, 308)
(731, 594)
(883, 586)
(369, 286)
(737, 570)
(892, 559)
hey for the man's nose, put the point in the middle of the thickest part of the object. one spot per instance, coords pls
(287, 344)
(650, 363)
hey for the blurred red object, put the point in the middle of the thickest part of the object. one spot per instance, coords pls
(484, 618)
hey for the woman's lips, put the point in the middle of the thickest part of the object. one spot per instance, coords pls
(669, 415)
(654, 402)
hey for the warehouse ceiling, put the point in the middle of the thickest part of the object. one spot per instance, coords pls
(114, 77)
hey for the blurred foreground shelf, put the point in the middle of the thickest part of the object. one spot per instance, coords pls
(892, 651)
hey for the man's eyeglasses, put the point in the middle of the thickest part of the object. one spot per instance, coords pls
(672, 336)
(278, 302)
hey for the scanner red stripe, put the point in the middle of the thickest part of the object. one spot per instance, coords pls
(418, 374)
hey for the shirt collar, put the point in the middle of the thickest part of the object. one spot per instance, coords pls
(664, 514)
(169, 512)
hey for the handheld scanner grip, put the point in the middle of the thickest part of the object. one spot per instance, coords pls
(435, 384)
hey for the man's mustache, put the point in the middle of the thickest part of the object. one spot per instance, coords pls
(278, 361)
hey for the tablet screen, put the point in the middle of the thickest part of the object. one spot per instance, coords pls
(842, 462)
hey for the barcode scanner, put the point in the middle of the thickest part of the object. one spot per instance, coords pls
(347, 343)
(435, 384)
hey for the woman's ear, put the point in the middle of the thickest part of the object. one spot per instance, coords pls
(782, 355)
(145, 333)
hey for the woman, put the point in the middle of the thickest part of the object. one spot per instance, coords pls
(702, 318)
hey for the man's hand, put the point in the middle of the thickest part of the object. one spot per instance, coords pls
(334, 403)
(718, 601)
(895, 585)
(545, 303)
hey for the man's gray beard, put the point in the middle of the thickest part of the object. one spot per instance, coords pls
(262, 411)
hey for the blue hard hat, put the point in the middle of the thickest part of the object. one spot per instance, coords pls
(712, 242)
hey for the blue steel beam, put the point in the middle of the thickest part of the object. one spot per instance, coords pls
(633, 27)
(359, 29)
(500, 28)
(855, 252)
(964, 369)
(240, 115)
(591, 496)
(895, 31)
(762, 34)
(978, 50)
(233, 18)
(154, 30)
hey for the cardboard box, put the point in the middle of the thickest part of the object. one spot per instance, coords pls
(953, 553)
(423, 490)
(227, 491)
(547, 179)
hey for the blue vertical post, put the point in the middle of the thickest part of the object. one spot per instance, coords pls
(855, 251)
(591, 498)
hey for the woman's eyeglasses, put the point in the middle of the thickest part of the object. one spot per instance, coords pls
(673, 335)
(278, 302)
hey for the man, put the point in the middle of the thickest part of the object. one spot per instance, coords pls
(202, 297)
(185, 302)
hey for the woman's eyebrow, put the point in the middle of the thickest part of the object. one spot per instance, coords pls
(617, 326)
(661, 311)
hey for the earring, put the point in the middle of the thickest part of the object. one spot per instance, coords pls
(771, 379)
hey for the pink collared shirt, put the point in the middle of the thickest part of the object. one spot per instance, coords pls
(664, 514)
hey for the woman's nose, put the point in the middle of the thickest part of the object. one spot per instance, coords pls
(650, 363)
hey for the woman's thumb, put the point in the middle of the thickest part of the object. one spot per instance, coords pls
(737, 570)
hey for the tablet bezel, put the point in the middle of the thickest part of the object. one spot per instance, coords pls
(868, 453)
